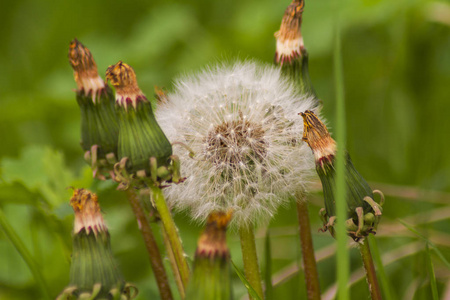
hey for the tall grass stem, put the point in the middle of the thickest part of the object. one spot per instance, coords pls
(384, 281)
(341, 205)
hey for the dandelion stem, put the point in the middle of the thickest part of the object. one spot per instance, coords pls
(150, 244)
(309, 261)
(250, 258)
(26, 255)
(172, 233)
(173, 264)
(370, 270)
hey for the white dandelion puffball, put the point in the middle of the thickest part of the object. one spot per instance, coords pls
(242, 123)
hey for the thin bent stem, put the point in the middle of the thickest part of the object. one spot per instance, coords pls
(173, 264)
(309, 260)
(371, 275)
(26, 255)
(150, 244)
(172, 233)
(385, 286)
(250, 258)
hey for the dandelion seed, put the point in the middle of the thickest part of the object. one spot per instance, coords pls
(248, 155)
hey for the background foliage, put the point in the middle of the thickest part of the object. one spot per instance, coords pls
(397, 74)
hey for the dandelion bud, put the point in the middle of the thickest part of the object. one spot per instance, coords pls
(94, 274)
(290, 53)
(211, 273)
(99, 127)
(140, 136)
(241, 123)
(363, 212)
(289, 37)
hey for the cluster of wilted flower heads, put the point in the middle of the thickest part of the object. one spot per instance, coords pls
(241, 123)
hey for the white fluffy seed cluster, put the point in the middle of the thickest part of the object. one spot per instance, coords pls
(242, 123)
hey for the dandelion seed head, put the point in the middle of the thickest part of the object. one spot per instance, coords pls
(241, 121)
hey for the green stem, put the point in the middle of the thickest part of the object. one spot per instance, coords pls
(341, 205)
(250, 258)
(309, 261)
(151, 245)
(385, 285)
(173, 264)
(371, 274)
(26, 255)
(172, 233)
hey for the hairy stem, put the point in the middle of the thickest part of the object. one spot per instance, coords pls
(309, 260)
(250, 258)
(370, 270)
(172, 233)
(150, 244)
(173, 264)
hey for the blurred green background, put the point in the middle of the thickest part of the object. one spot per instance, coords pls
(397, 81)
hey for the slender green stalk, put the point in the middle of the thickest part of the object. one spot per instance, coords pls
(431, 274)
(173, 264)
(172, 233)
(371, 274)
(341, 205)
(151, 245)
(250, 258)
(385, 286)
(26, 255)
(309, 260)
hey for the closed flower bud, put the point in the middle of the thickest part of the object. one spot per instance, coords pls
(211, 277)
(94, 274)
(291, 53)
(144, 150)
(363, 212)
(99, 126)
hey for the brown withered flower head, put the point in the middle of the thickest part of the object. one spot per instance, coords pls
(289, 37)
(363, 213)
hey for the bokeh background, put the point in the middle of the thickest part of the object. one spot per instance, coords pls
(396, 57)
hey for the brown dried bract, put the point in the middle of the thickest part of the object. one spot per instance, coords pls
(316, 135)
(212, 242)
(123, 78)
(87, 211)
(291, 22)
(82, 62)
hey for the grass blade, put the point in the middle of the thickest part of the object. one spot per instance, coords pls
(429, 243)
(26, 255)
(250, 289)
(380, 268)
(431, 274)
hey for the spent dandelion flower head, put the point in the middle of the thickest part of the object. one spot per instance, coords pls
(241, 122)
(85, 69)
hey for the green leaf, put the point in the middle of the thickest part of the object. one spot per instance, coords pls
(40, 169)
(250, 289)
